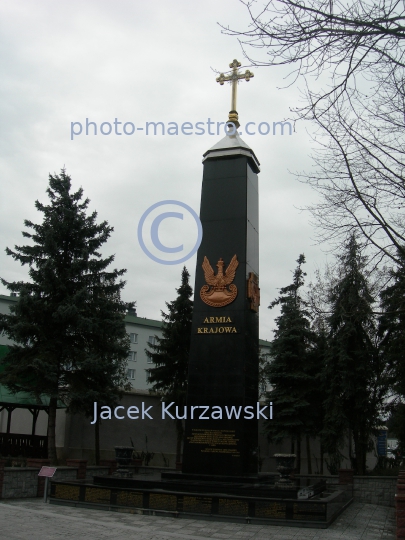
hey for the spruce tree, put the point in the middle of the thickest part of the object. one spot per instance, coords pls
(318, 391)
(392, 326)
(392, 333)
(351, 360)
(318, 306)
(396, 427)
(289, 372)
(68, 324)
(171, 353)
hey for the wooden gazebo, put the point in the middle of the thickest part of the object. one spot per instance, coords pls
(19, 444)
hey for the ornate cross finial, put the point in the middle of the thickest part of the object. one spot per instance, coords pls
(234, 78)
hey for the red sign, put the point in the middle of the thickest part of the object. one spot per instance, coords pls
(47, 471)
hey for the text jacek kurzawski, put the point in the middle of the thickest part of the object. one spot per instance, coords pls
(172, 412)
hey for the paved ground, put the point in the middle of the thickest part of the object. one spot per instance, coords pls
(31, 519)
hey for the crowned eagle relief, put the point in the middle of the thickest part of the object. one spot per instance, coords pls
(220, 290)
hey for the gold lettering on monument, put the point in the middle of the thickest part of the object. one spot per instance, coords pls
(233, 507)
(162, 502)
(267, 509)
(200, 505)
(130, 498)
(213, 320)
(216, 441)
(217, 330)
(97, 495)
(69, 493)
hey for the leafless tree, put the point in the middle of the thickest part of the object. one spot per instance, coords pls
(360, 173)
(358, 110)
(346, 39)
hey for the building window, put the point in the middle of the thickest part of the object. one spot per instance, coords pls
(149, 360)
(133, 338)
(131, 374)
(132, 356)
(152, 340)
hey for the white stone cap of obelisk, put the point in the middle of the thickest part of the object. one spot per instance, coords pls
(232, 145)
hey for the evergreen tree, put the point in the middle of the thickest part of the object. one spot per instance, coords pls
(264, 362)
(317, 297)
(171, 353)
(351, 360)
(392, 326)
(396, 427)
(318, 391)
(290, 371)
(392, 333)
(68, 324)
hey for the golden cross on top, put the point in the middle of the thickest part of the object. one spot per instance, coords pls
(234, 78)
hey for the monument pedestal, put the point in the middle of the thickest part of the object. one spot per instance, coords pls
(214, 499)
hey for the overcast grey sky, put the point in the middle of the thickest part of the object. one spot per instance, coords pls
(139, 62)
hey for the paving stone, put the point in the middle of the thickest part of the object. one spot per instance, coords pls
(31, 519)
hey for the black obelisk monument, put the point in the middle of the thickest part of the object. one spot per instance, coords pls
(223, 368)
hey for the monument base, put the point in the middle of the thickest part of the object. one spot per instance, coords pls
(249, 486)
(252, 500)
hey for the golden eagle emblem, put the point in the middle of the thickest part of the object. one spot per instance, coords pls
(220, 290)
